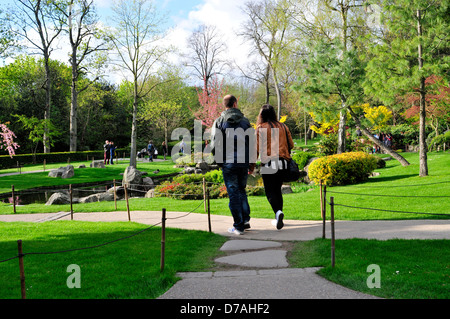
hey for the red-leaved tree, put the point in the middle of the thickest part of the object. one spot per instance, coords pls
(210, 99)
(7, 140)
(437, 102)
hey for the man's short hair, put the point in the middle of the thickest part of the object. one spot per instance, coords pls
(229, 100)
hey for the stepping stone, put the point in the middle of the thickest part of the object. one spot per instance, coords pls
(264, 259)
(232, 245)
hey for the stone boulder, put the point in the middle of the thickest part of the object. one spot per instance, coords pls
(150, 194)
(99, 164)
(100, 197)
(58, 199)
(132, 177)
(62, 172)
(305, 169)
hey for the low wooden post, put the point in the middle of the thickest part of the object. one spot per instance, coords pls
(13, 198)
(128, 205)
(163, 238)
(71, 202)
(332, 233)
(322, 212)
(115, 194)
(204, 193)
(22, 270)
(44, 163)
(209, 210)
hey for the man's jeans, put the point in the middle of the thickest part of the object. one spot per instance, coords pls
(235, 179)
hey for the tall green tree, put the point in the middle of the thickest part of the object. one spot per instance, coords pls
(414, 47)
(334, 84)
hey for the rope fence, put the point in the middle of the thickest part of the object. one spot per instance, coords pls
(21, 254)
(206, 202)
(324, 202)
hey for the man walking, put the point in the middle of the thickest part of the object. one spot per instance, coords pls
(232, 143)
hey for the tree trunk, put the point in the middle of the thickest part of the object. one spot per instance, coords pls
(376, 141)
(343, 113)
(341, 129)
(73, 106)
(267, 84)
(48, 98)
(277, 90)
(133, 150)
(423, 171)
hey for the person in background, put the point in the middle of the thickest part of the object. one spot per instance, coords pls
(150, 150)
(112, 150)
(107, 152)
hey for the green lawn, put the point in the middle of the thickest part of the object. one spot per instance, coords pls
(82, 175)
(409, 269)
(130, 268)
(125, 269)
(394, 180)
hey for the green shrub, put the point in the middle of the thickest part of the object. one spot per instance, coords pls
(439, 141)
(342, 169)
(301, 158)
(189, 186)
(381, 163)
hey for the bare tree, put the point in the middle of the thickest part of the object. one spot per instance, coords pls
(37, 17)
(81, 26)
(136, 44)
(206, 55)
(268, 28)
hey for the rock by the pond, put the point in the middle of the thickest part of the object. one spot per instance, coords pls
(100, 164)
(132, 176)
(100, 197)
(58, 199)
(62, 172)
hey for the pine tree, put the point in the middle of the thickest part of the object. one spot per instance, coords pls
(414, 47)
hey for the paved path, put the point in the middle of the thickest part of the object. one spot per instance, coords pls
(258, 255)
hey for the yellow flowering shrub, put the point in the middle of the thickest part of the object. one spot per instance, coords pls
(342, 169)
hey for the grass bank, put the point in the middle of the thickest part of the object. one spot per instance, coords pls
(408, 269)
(125, 269)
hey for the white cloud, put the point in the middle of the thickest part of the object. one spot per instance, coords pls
(227, 16)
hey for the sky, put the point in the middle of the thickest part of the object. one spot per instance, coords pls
(185, 16)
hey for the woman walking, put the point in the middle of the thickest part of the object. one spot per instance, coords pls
(274, 143)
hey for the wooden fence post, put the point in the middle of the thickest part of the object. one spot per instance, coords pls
(209, 210)
(204, 193)
(332, 232)
(115, 194)
(13, 198)
(128, 205)
(163, 238)
(71, 202)
(322, 212)
(22, 270)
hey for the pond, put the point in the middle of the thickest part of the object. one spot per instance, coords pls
(41, 195)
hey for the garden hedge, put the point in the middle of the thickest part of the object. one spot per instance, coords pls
(24, 159)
